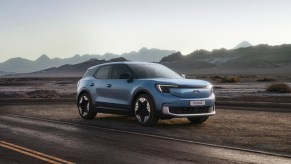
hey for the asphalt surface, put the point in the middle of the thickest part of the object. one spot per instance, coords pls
(56, 142)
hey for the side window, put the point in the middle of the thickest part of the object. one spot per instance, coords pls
(120, 71)
(89, 72)
(102, 72)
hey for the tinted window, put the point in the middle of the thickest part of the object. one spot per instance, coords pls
(120, 71)
(102, 72)
(89, 72)
(145, 71)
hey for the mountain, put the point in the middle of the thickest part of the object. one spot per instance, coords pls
(21, 65)
(68, 70)
(5, 73)
(173, 57)
(260, 59)
(243, 44)
(17, 65)
(147, 55)
(255, 60)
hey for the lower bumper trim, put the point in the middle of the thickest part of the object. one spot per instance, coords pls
(167, 112)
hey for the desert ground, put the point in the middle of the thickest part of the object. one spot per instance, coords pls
(248, 88)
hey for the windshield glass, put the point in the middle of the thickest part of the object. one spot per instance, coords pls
(146, 71)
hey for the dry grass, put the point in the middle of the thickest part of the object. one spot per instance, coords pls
(278, 88)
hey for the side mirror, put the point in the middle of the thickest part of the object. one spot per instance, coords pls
(124, 76)
(184, 76)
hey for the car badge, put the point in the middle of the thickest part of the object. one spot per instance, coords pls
(196, 91)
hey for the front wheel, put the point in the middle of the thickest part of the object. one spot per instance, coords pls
(197, 120)
(144, 110)
(85, 107)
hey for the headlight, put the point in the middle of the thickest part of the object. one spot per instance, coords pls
(210, 87)
(78, 83)
(165, 88)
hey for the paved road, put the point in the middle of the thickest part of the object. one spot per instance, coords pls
(24, 140)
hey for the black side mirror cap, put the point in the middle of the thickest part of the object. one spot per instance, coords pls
(124, 76)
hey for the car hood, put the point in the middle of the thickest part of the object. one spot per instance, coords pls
(183, 82)
(188, 88)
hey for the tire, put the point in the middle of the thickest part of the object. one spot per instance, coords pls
(197, 120)
(85, 107)
(144, 110)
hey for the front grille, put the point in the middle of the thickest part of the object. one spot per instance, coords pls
(191, 110)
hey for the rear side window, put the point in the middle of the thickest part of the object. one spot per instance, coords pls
(89, 72)
(102, 72)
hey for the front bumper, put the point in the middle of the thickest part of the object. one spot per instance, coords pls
(180, 107)
(188, 111)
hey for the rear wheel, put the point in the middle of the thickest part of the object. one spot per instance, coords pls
(144, 110)
(85, 107)
(197, 120)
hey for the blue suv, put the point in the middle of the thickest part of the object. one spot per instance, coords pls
(148, 91)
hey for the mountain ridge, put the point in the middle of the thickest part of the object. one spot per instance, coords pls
(68, 70)
(259, 59)
(243, 44)
(253, 60)
(22, 65)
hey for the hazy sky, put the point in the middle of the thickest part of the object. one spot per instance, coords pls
(63, 28)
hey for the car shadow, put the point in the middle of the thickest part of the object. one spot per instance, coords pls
(121, 121)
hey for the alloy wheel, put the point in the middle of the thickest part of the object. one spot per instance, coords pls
(142, 110)
(84, 105)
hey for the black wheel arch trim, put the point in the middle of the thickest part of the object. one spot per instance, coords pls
(84, 90)
(139, 92)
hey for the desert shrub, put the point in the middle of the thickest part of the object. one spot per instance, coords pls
(279, 88)
(217, 87)
(223, 79)
(232, 79)
(217, 78)
(265, 79)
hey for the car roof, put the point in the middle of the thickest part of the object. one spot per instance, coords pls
(125, 62)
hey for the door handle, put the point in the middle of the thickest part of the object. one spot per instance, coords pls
(108, 85)
(91, 84)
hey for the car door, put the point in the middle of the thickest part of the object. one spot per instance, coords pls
(100, 85)
(120, 85)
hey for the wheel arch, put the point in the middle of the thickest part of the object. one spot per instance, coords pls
(82, 91)
(138, 93)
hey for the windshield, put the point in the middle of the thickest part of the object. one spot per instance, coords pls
(146, 71)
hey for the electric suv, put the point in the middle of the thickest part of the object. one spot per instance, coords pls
(148, 91)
